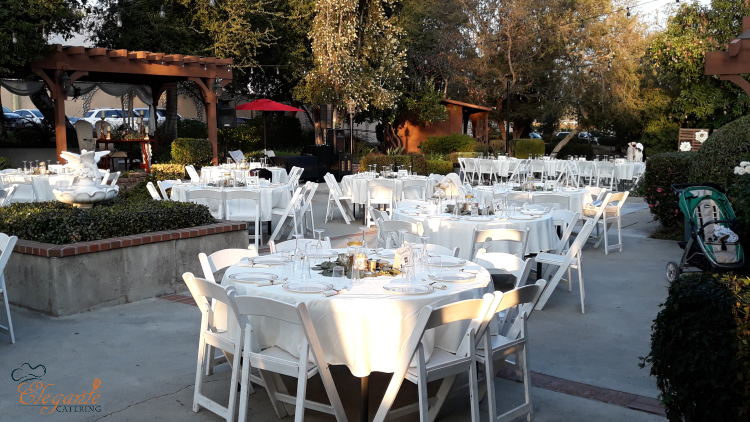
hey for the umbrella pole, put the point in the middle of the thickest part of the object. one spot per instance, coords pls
(265, 147)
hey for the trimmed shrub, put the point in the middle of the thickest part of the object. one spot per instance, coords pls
(192, 129)
(660, 135)
(497, 146)
(454, 142)
(723, 150)
(167, 171)
(417, 161)
(662, 171)
(58, 223)
(453, 157)
(244, 137)
(439, 167)
(187, 151)
(525, 147)
(700, 347)
(571, 149)
(482, 149)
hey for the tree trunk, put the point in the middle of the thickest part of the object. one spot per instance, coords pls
(170, 128)
(319, 138)
(46, 106)
(584, 116)
(391, 138)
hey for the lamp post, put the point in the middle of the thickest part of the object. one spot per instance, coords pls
(351, 106)
(507, 116)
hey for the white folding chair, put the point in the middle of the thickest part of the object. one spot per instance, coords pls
(274, 360)
(244, 205)
(105, 177)
(564, 220)
(24, 187)
(497, 349)
(376, 216)
(504, 263)
(442, 250)
(210, 264)
(291, 245)
(335, 196)
(7, 243)
(518, 198)
(462, 170)
(213, 199)
(293, 205)
(390, 230)
(300, 211)
(596, 192)
(194, 177)
(380, 192)
(152, 190)
(587, 169)
(114, 177)
(166, 184)
(205, 292)
(605, 171)
(443, 364)
(485, 166)
(612, 209)
(294, 174)
(414, 189)
(572, 259)
(501, 235)
(552, 200)
(6, 195)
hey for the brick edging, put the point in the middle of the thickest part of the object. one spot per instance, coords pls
(49, 250)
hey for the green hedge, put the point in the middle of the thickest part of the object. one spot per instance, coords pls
(700, 349)
(571, 149)
(187, 151)
(453, 157)
(439, 167)
(739, 196)
(525, 147)
(497, 146)
(723, 150)
(662, 171)
(417, 161)
(454, 142)
(58, 223)
(167, 171)
(244, 137)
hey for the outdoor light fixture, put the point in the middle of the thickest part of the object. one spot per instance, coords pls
(64, 80)
(251, 70)
(162, 12)
(212, 3)
(217, 87)
(119, 20)
(351, 107)
(277, 70)
(628, 9)
(15, 40)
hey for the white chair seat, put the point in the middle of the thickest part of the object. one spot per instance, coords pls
(283, 357)
(550, 258)
(497, 342)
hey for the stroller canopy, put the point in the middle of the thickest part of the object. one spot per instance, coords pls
(702, 205)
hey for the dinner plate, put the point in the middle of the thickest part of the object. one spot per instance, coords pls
(450, 261)
(438, 217)
(307, 286)
(387, 253)
(522, 217)
(268, 260)
(533, 212)
(571, 190)
(252, 277)
(453, 277)
(330, 253)
(408, 289)
(479, 219)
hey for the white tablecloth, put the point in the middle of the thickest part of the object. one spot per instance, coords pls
(365, 328)
(45, 184)
(449, 233)
(278, 174)
(356, 186)
(270, 196)
(577, 198)
(627, 171)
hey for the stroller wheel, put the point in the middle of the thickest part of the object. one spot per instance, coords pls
(673, 271)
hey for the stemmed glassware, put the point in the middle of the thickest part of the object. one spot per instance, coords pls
(320, 239)
(401, 233)
(424, 255)
(24, 167)
(364, 237)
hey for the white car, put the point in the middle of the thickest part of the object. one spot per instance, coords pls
(145, 112)
(32, 114)
(113, 116)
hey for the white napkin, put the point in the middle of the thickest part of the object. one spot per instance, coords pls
(440, 286)
(328, 293)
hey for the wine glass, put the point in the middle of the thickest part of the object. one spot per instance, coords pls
(320, 238)
(364, 238)
(401, 233)
(24, 167)
(297, 251)
(424, 255)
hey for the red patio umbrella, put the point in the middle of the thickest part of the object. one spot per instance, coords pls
(266, 105)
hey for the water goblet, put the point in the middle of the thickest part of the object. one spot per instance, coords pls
(364, 237)
(24, 167)
(401, 234)
(424, 255)
(339, 278)
(320, 238)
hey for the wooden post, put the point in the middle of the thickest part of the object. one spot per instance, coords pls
(209, 101)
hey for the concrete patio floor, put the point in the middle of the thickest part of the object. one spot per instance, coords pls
(144, 353)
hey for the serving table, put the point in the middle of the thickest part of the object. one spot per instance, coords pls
(271, 195)
(577, 197)
(145, 162)
(214, 173)
(364, 328)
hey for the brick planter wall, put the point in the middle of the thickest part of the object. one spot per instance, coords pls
(78, 277)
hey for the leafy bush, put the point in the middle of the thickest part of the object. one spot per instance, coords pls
(439, 167)
(571, 149)
(453, 157)
(525, 147)
(167, 171)
(738, 194)
(454, 142)
(700, 347)
(187, 151)
(5, 163)
(244, 137)
(192, 129)
(497, 146)
(417, 161)
(660, 135)
(482, 149)
(58, 223)
(723, 150)
(662, 171)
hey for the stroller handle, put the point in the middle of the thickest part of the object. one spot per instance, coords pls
(679, 187)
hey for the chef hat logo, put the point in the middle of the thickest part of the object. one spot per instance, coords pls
(27, 372)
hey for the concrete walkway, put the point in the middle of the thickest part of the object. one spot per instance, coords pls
(144, 353)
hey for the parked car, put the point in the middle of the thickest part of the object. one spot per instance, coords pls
(146, 114)
(32, 114)
(163, 112)
(15, 120)
(533, 135)
(562, 134)
(73, 120)
(113, 116)
(589, 137)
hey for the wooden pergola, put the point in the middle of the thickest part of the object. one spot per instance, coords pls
(159, 71)
(732, 64)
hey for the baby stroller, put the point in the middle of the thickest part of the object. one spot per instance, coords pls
(710, 241)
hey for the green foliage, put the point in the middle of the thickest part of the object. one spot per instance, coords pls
(453, 157)
(525, 147)
(5, 163)
(497, 146)
(454, 142)
(439, 167)
(192, 151)
(662, 171)
(417, 161)
(167, 171)
(723, 150)
(244, 137)
(394, 151)
(482, 149)
(738, 193)
(700, 346)
(425, 105)
(660, 135)
(191, 128)
(58, 223)
(569, 149)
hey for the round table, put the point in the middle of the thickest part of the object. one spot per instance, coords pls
(445, 231)
(356, 187)
(627, 171)
(577, 197)
(35, 188)
(271, 196)
(364, 328)
(278, 174)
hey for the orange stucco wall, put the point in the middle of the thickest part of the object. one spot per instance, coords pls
(413, 134)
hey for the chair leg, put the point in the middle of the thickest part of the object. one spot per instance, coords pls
(232, 406)
(6, 302)
(202, 346)
(328, 210)
(271, 388)
(619, 232)
(422, 386)
(442, 395)
(299, 409)
(526, 382)
(210, 359)
(580, 286)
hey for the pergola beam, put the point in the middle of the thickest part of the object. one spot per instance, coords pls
(730, 65)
